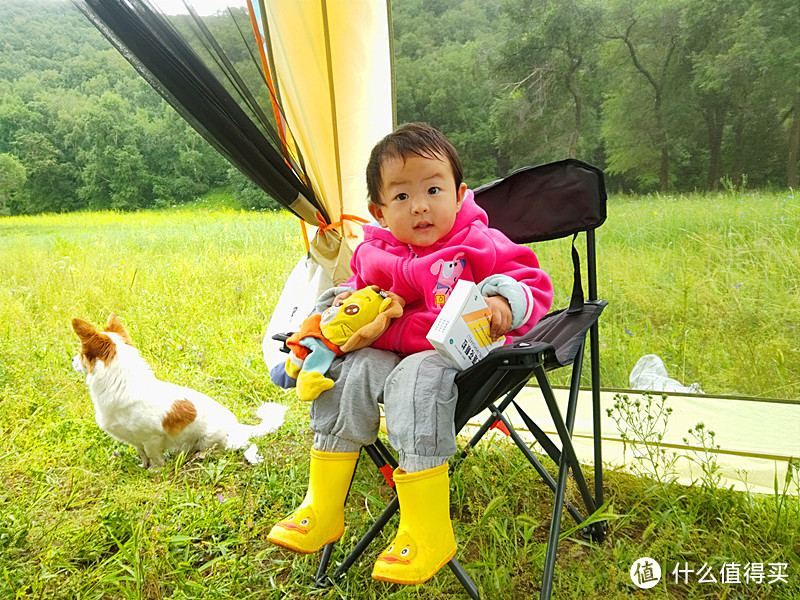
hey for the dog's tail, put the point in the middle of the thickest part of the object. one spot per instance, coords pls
(271, 415)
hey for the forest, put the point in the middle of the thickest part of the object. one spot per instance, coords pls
(664, 95)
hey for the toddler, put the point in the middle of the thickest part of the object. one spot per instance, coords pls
(431, 234)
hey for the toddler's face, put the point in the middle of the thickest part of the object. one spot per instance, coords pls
(420, 199)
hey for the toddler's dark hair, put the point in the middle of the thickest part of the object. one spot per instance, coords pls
(411, 139)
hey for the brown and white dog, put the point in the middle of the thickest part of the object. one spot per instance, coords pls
(133, 406)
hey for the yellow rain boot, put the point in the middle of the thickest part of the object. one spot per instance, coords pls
(424, 542)
(319, 520)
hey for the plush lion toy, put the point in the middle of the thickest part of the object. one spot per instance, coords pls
(355, 324)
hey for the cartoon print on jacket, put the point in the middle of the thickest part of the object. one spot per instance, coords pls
(448, 274)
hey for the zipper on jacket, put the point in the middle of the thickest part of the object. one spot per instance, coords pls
(407, 268)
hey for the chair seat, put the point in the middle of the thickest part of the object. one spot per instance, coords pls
(565, 330)
(554, 342)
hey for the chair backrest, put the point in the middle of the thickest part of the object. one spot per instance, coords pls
(549, 202)
(546, 202)
(536, 204)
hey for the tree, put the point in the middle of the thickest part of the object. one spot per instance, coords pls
(443, 76)
(14, 116)
(550, 56)
(88, 130)
(50, 181)
(721, 72)
(12, 179)
(782, 19)
(645, 41)
(112, 169)
(658, 93)
(742, 81)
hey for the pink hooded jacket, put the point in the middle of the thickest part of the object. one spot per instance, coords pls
(424, 276)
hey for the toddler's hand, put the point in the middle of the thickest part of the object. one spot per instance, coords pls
(501, 316)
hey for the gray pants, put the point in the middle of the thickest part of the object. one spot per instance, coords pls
(419, 398)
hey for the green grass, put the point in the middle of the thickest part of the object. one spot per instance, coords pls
(708, 283)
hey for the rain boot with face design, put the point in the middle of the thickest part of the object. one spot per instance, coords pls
(319, 520)
(424, 542)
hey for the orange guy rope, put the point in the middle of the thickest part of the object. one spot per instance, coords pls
(267, 75)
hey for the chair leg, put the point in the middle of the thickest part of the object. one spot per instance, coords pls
(385, 454)
(568, 459)
(548, 571)
(367, 538)
(594, 347)
(483, 429)
(477, 437)
(383, 460)
(497, 414)
(321, 579)
(567, 449)
(464, 579)
(538, 467)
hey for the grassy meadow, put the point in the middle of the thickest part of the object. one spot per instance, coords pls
(709, 283)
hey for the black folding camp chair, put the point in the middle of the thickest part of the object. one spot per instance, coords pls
(531, 205)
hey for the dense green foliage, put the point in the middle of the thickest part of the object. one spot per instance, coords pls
(79, 128)
(86, 129)
(678, 95)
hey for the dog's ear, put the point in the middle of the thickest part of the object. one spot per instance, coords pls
(115, 326)
(94, 345)
(84, 330)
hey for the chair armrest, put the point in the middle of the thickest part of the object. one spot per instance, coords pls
(521, 355)
(282, 337)
(498, 373)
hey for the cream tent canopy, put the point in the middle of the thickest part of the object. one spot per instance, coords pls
(331, 67)
(327, 68)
